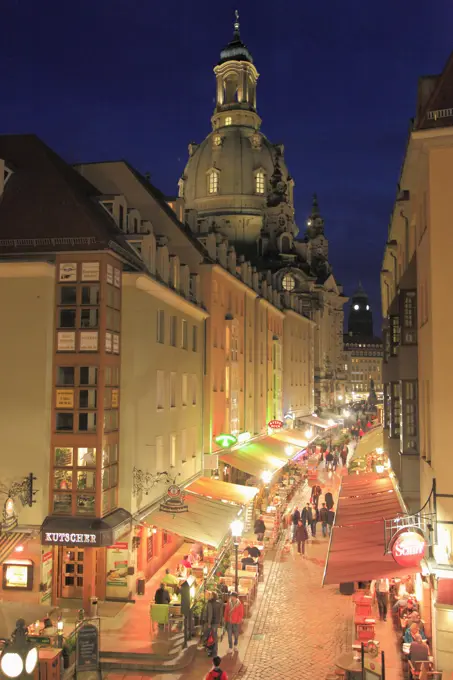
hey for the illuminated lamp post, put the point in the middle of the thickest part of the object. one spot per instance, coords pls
(19, 656)
(237, 527)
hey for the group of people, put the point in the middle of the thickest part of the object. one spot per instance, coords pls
(230, 616)
(332, 457)
(307, 519)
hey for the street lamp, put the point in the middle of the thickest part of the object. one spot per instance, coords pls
(309, 433)
(266, 476)
(19, 655)
(237, 527)
(205, 576)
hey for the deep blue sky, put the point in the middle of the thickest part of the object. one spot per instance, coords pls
(133, 79)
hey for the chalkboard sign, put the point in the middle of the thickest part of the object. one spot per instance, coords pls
(87, 657)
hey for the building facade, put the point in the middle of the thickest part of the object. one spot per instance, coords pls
(237, 186)
(415, 302)
(363, 351)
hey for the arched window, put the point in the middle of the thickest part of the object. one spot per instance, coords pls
(228, 120)
(288, 282)
(259, 182)
(213, 182)
(285, 244)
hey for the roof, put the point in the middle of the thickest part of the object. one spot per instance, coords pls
(224, 491)
(46, 206)
(206, 521)
(315, 421)
(294, 437)
(235, 50)
(266, 453)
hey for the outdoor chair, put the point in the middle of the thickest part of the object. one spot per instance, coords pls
(423, 670)
(160, 614)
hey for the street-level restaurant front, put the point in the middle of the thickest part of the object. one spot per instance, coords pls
(87, 555)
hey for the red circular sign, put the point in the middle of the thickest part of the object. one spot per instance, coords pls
(408, 548)
(275, 424)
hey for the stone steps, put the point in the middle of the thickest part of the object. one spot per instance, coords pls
(158, 663)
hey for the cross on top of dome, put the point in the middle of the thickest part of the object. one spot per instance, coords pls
(235, 50)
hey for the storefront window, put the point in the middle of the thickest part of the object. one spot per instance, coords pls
(86, 479)
(113, 500)
(113, 453)
(63, 456)
(86, 458)
(18, 574)
(105, 478)
(113, 475)
(85, 504)
(105, 455)
(62, 503)
(105, 503)
(62, 480)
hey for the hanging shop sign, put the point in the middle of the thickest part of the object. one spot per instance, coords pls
(408, 548)
(275, 424)
(225, 440)
(174, 500)
(9, 520)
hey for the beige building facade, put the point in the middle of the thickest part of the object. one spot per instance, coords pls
(416, 303)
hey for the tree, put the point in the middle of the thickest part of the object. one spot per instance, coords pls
(372, 397)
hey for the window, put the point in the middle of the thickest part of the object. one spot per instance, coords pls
(185, 387)
(65, 375)
(172, 450)
(67, 318)
(194, 339)
(160, 465)
(64, 422)
(88, 399)
(409, 320)
(87, 422)
(67, 295)
(173, 331)
(228, 120)
(88, 375)
(172, 390)
(184, 334)
(395, 410)
(121, 217)
(288, 282)
(194, 390)
(213, 182)
(160, 390)
(90, 295)
(394, 335)
(259, 182)
(89, 318)
(409, 423)
(160, 335)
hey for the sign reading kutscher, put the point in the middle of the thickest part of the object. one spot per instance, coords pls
(408, 548)
(54, 538)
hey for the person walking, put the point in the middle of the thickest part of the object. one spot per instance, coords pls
(259, 528)
(335, 460)
(300, 537)
(329, 460)
(330, 518)
(323, 517)
(214, 620)
(306, 515)
(295, 517)
(314, 520)
(344, 455)
(381, 588)
(233, 617)
(216, 672)
(328, 498)
(315, 494)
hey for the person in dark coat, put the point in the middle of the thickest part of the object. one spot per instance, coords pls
(260, 528)
(295, 517)
(328, 498)
(323, 517)
(306, 515)
(314, 520)
(162, 596)
(330, 518)
(300, 537)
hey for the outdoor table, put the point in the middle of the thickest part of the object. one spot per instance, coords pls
(353, 667)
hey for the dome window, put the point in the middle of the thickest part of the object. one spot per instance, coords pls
(228, 120)
(213, 182)
(259, 182)
(288, 282)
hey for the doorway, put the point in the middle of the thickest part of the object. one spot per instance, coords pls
(71, 572)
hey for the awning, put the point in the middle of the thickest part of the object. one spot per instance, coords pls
(316, 422)
(86, 531)
(259, 455)
(369, 443)
(223, 491)
(295, 437)
(357, 544)
(8, 542)
(206, 521)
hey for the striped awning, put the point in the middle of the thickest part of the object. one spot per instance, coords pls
(8, 542)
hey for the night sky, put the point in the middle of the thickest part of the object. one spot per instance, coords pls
(103, 80)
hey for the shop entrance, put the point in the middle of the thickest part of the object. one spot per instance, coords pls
(71, 572)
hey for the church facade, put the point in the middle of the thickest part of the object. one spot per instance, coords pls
(237, 186)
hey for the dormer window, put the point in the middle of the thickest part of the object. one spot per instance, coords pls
(228, 120)
(288, 282)
(260, 182)
(213, 182)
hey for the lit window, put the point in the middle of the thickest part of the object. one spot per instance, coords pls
(228, 120)
(356, 307)
(259, 182)
(288, 282)
(213, 182)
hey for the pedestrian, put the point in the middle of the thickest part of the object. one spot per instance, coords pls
(295, 517)
(162, 596)
(300, 537)
(233, 616)
(323, 515)
(330, 518)
(381, 589)
(335, 461)
(315, 494)
(328, 498)
(214, 620)
(306, 515)
(321, 458)
(216, 672)
(260, 528)
(329, 460)
(314, 520)
(344, 455)
(361, 433)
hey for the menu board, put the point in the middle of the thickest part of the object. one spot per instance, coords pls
(115, 398)
(88, 341)
(64, 399)
(117, 564)
(46, 575)
(109, 273)
(108, 342)
(68, 271)
(87, 656)
(65, 341)
(90, 271)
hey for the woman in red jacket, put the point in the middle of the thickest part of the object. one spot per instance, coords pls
(233, 616)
